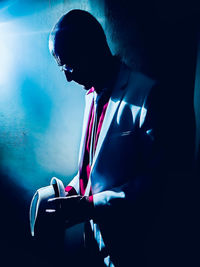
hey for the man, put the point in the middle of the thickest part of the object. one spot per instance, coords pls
(117, 189)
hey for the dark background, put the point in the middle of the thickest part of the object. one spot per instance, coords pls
(40, 116)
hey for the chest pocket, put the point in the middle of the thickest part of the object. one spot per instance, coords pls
(127, 118)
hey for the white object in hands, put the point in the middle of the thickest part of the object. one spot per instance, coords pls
(55, 189)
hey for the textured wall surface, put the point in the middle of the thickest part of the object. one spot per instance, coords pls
(40, 116)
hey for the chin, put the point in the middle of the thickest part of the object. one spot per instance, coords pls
(87, 87)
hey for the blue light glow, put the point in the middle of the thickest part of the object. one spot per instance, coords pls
(40, 113)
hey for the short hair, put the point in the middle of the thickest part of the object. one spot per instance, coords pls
(78, 31)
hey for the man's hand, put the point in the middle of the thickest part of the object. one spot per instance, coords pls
(71, 210)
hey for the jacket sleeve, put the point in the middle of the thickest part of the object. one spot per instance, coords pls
(73, 187)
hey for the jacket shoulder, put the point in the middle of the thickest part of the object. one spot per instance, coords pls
(138, 87)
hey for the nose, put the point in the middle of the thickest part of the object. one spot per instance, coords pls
(68, 76)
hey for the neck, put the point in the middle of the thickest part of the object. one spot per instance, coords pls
(107, 72)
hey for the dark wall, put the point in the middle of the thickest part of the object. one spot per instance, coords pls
(163, 36)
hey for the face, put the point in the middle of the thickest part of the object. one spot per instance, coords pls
(78, 68)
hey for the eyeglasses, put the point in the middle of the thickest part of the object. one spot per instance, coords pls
(66, 68)
(63, 67)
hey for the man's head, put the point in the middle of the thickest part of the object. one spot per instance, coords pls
(79, 45)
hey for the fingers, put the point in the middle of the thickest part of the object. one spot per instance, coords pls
(64, 199)
(69, 210)
(50, 210)
(63, 202)
(63, 205)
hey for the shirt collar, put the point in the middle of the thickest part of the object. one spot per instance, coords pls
(90, 91)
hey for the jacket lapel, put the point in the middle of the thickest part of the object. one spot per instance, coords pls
(88, 105)
(115, 99)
